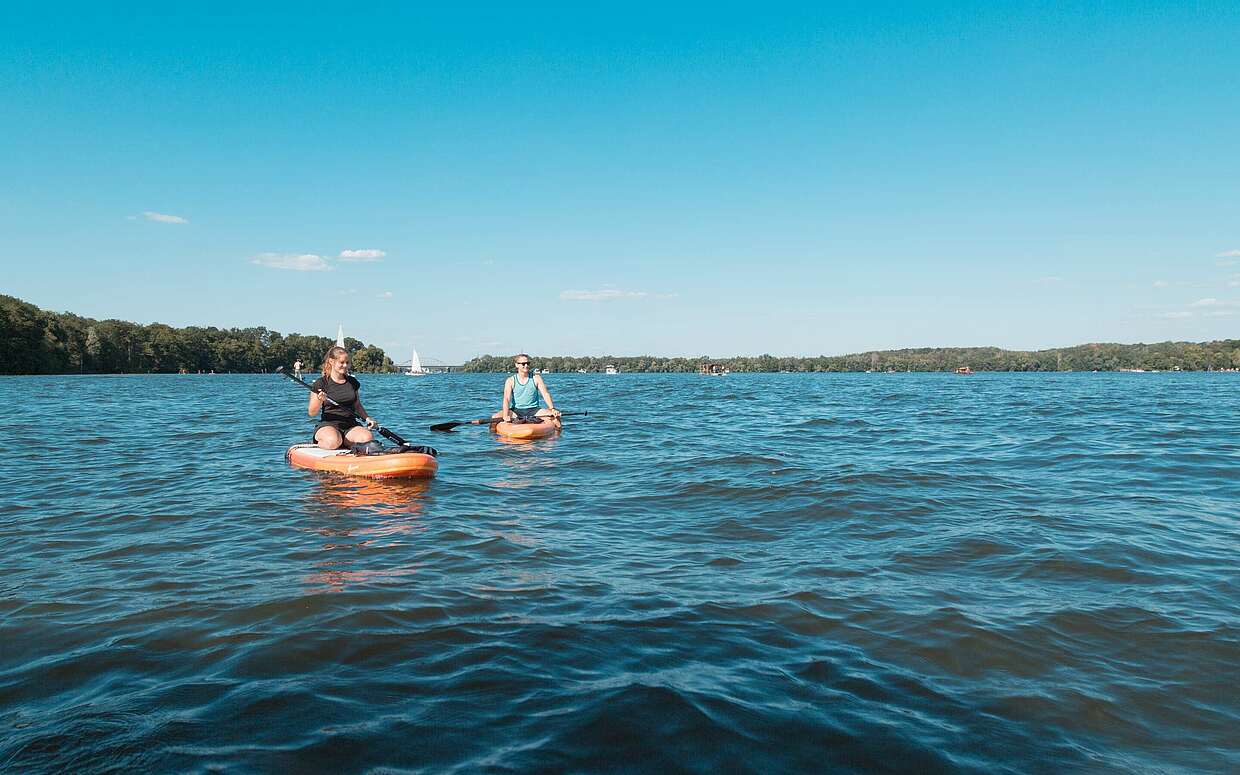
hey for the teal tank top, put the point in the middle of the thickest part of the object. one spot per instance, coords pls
(524, 396)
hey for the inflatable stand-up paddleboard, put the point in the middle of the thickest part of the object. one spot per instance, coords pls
(525, 430)
(399, 463)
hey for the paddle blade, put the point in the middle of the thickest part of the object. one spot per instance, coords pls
(447, 426)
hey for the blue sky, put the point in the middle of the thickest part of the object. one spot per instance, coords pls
(719, 179)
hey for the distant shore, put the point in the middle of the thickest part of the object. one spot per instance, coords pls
(39, 342)
(1165, 356)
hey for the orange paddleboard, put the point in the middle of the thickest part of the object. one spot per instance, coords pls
(525, 430)
(392, 465)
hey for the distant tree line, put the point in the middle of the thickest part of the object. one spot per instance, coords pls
(35, 341)
(40, 342)
(1165, 356)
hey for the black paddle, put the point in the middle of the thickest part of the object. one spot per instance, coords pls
(447, 426)
(387, 434)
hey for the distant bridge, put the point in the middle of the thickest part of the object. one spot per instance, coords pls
(432, 365)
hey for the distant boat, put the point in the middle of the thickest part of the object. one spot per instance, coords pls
(611, 369)
(964, 370)
(415, 367)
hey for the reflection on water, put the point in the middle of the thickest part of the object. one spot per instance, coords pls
(358, 516)
(398, 498)
(337, 576)
(525, 463)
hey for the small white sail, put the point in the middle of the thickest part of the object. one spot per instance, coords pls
(415, 366)
(340, 335)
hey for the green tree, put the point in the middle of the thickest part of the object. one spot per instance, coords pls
(371, 359)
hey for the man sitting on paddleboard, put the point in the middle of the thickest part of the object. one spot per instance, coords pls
(521, 394)
(337, 426)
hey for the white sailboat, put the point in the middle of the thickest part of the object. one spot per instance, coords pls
(415, 367)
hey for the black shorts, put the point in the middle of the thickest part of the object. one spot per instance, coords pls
(526, 414)
(344, 428)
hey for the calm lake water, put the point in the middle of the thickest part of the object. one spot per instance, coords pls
(901, 572)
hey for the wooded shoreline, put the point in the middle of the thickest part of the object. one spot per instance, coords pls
(36, 341)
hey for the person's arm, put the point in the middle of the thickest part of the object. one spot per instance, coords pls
(503, 410)
(546, 394)
(316, 400)
(365, 415)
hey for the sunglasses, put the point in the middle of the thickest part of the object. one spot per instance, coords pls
(523, 363)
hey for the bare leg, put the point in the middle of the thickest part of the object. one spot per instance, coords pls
(547, 413)
(328, 438)
(358, 435)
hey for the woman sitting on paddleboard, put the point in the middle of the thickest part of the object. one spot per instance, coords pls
(521, 395)
(337, 426)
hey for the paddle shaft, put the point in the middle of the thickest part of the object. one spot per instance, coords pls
(387, 434)
(447, 426)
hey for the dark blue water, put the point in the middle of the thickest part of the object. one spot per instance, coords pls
(757, 572)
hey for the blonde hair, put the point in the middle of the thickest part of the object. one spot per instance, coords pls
(332, 352)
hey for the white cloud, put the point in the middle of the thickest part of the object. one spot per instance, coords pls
(367, 254)
(1229, 254)
(1220, 313)
(1208, 303)
(1161, 284)
(385, 295)
(1234, 281)
(604, 294)
(162, 218)
(1050, 280)
(298, 262)
(1174, 315)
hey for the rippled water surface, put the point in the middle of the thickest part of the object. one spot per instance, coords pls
(755, 572)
